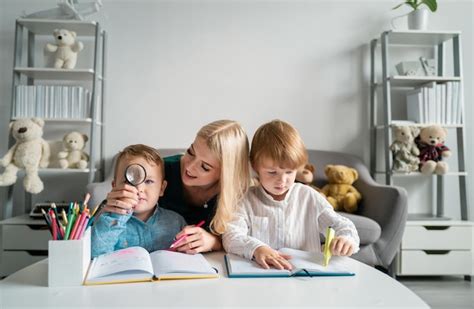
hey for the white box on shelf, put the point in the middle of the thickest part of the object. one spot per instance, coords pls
(415, 68)
(68, 261)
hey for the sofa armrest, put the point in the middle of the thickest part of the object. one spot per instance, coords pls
(98, 192)
(387, 205)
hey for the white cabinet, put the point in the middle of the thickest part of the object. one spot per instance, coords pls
(23, 241)
(437, 248)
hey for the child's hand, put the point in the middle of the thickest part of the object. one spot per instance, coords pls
(197, 240)
(266, 257)
(340, 245)
(121, 199)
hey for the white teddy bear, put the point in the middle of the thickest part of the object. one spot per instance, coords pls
(30, 152)
(65, 49)
(73, 155)
(404, 150)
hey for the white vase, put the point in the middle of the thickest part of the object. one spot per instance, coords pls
(418, 19)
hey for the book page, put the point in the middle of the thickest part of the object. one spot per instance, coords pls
(242, 266)
(128, 259)
(169, 262)
(313, 261)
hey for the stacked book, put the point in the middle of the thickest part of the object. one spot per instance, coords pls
(435, 103)
(63, 102)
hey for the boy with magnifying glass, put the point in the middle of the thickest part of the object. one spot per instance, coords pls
(148, 225)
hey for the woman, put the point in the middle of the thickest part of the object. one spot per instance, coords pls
(205, 183)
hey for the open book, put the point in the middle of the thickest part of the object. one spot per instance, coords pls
(135, 264)
(304, 264)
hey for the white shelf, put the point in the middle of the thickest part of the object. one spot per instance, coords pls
(47, 26)
(418, 174)
(56, 74)
(394, 123)
(86, 120)
(67, 171)
(424, 218)
(23, 220)
(416, 81)
(414, 222)
(419, 37)
(61, 170)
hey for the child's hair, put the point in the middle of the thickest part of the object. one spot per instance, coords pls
(228, 142)
(279, 142)
(142, 151)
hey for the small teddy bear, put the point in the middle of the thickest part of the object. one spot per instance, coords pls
(73, 155)
(432, 150)
(404, 150)
(339, 191)
(65, 49)
(30, 152)
(305, 175)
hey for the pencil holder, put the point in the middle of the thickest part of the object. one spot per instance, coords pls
(68, 260)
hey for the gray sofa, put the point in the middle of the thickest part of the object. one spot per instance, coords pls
(380, 219)
(382, 213)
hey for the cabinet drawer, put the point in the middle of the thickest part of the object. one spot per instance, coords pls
(419, 262)
(438, 237)
(25, 237)
(11, 261)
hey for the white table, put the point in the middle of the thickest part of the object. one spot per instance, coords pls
(368, 288)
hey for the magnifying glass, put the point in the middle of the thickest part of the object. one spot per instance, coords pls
(135, 174)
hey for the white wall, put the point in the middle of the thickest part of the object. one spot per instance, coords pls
(173, 66)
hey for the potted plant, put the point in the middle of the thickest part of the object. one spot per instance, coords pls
(418, 18)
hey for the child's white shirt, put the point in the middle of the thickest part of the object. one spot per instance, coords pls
(295, 222)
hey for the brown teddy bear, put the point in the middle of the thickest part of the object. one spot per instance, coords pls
(339, 191)
(305, 175)
(432, 150)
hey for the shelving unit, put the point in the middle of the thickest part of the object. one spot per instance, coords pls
(24, 240)
(28, 32)
(408, 260)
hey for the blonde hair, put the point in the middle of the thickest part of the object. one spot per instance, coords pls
(280, 142)
(228, 142)
(141, 151)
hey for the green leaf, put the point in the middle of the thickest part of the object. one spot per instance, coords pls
(396, 7)
(431, 4)
(411, 3)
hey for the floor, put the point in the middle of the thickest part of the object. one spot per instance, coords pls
(442, 292)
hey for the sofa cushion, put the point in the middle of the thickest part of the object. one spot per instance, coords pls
(369, 230)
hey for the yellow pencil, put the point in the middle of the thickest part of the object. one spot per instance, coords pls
(95, 209)
(327, 245)
(63, 214)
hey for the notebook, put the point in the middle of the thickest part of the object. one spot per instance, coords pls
(135, 264)
(304, 264)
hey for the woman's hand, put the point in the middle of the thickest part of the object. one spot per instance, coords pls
(121, 199)
(266, 257)
(340, 245)
(197, 240)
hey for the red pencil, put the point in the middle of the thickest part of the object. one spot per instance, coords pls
(82, 227)
(177, 241)
(53, 225)
(77, 224)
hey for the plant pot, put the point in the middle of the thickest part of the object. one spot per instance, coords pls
(418, 19)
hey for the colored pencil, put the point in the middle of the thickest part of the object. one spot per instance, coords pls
(177, 241)
(48, 223)
(77, 224)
